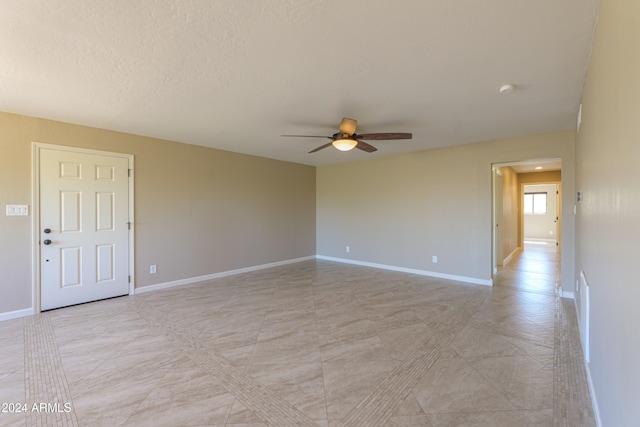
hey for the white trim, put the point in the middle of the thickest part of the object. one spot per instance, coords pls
(132, 228)
(535, 239)
(473, 280)
(594, 400)
(585, 348)
(191, 280)
(585, 312)
(508, 258)
(35, 230)
(9, 315)
(566, 294)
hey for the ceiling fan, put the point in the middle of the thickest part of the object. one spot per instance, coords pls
(347, 138)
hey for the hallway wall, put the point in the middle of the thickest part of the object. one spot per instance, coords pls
(608, 217)
(510, 195)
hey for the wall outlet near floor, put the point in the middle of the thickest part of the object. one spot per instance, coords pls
(347, 249)
(153, 269)
(434, 259)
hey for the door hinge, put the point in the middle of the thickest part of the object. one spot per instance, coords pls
(128, 226)
(129, 172)
(129, 278)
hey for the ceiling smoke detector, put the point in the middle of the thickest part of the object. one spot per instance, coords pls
(507, 88)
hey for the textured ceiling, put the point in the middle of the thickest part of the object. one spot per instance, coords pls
(235, 75)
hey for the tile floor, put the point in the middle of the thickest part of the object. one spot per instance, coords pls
(315, 343)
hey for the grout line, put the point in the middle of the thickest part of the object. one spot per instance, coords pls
(252, 394)
(572, 405)
(47, 393)
(379, 406)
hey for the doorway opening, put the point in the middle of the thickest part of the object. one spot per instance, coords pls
(541, 213)
(527, 221)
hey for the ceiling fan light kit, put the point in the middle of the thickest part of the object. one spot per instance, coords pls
(345, 144)
(347, 139)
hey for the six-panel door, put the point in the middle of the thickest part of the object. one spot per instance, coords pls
(84, 227)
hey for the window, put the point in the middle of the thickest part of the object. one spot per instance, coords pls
(535, 203)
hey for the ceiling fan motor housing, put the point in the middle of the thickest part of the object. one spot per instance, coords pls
(339, 135)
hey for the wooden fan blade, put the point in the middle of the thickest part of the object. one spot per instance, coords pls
(307, 136)
(385, 136)
(321, 147)
(348, 126)
(366, 147)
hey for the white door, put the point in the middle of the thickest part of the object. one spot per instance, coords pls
(84, 210)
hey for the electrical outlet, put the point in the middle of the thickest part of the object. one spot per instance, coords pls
(153, 269)
(347, 249)
(434, 259)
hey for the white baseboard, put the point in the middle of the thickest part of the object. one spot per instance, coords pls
(508, 258)
(9, 315)
(566, 294)
(594, 400)
(473, 280)
(191, 280)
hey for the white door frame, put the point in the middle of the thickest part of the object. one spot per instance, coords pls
(35, 230)
(497, 252)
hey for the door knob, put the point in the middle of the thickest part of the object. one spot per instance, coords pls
(47, 230)
(47, 242)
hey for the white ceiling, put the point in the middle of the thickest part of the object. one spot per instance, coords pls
(235, 75)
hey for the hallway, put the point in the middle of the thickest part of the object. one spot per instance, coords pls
(534, 274)
(536, 268)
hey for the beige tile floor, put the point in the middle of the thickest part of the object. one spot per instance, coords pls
(313, 343)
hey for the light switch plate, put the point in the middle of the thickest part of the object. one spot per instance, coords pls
(17, 210)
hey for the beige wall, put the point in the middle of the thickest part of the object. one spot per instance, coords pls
(198, 211)
(402, 210)
(608, 220)
(546, 177)
(510, 197)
